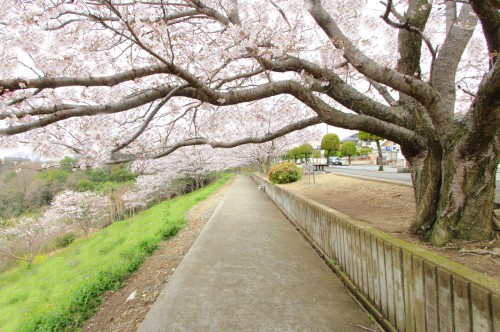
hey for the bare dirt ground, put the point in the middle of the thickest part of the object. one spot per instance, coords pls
(390, 208)
(116, 313)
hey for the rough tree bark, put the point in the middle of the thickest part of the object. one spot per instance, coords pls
(454, 193)
(380, 160)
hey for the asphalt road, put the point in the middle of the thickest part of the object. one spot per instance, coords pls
(389, 173)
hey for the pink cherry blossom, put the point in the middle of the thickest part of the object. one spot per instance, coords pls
(84, 210)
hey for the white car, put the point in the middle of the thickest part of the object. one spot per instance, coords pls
(335, 161)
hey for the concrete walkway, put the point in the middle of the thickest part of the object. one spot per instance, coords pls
(250, 270)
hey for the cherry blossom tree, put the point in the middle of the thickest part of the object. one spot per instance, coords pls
(195, 162)
(121, 80)
(85, 210)
(27, 238)
(262, 155)
(134, 201)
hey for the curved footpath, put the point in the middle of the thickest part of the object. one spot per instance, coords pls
(250, 270)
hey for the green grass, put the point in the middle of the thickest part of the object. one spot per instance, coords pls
(59, 293)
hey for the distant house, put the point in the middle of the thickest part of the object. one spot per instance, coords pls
(353, 138)
(391, 153)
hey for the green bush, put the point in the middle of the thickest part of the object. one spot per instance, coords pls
(171, 229)
(148, 246)
(65, 240)
(85, 185)
(285, 172)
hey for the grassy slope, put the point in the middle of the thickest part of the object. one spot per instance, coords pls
(65, 289)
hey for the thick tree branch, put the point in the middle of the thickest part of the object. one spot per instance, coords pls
(441, 114)
(84, 110)
(203, 9)
(112, 80)
(58, 82)
(490, 84)
(431, 118)
(445, 70)
(218, 144)
(332, 85)
(410, 44)
(337, 118)
(483, 121)
(451, 14)
(38, 111)
(407, 26)
(489, 15)
(60, 112)
(148, 120)
(409, 85)
(383, 92)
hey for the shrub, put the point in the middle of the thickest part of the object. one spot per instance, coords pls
(285, 172)
(148, 246)
(171, 230)
(85, 185)
(65, 240)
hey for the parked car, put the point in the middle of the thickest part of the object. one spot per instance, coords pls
(335, 161)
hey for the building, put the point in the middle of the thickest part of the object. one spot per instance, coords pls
(391, 152)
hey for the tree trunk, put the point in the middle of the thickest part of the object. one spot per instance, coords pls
(380, 161)
(196, 182)
(454, 195)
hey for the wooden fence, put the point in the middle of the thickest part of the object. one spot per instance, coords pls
(406, 287)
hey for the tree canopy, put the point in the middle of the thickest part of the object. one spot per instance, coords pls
(367, 137)
(348, 149)
(305, 150)
(330, 143)
(118, 81)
